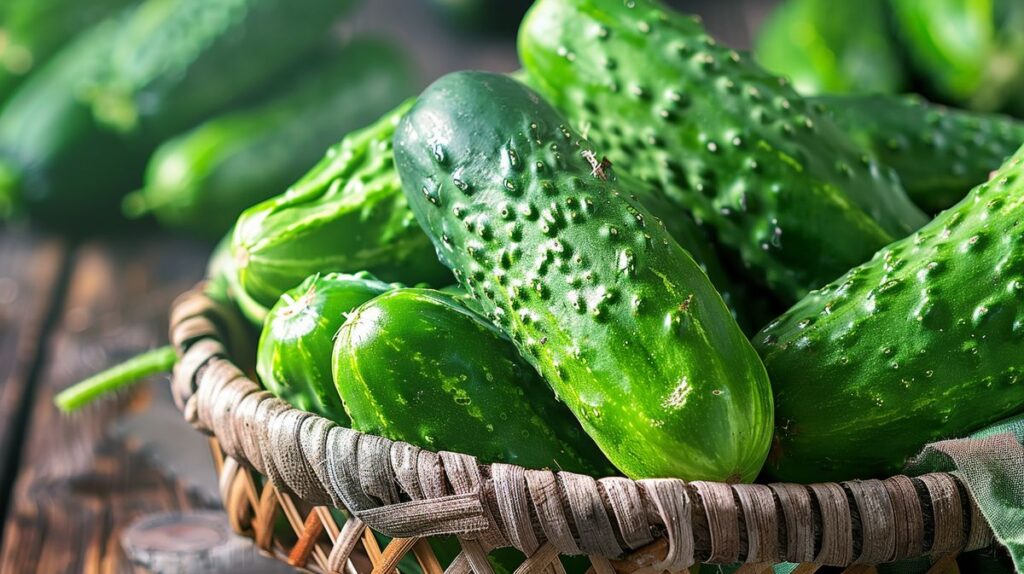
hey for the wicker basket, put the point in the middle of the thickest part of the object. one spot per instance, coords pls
(273, 459)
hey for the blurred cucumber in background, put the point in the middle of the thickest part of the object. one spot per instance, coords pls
(825, 46)
(967, 53)
(77, 134)
(32, 30)
(939, 153)
(202, 180)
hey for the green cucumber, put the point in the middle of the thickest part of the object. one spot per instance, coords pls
(615, 315)
(219, 269)
(939, 154)
(293, 359)
(347, 214)
(923, 342)
(202, 180)
(777, 184)
(419, 366)
(76, 136)
(32, 30)
(222, 283)
(966, 51)
(750, 311)
(824, 46)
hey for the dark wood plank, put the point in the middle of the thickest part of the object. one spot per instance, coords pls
(30, 270)
(78, 488)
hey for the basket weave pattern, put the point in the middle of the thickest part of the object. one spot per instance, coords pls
(623, 525)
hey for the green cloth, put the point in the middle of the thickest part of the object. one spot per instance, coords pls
(991, 464)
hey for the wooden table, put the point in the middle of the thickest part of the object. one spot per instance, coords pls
(68, 485)
(66, 311)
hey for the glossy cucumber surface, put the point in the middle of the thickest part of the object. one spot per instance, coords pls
(612, 312)
(293, 359)
(419, 366)
(939, 153)
(202, 180)
(750, 307)
(347, 214)
(924, 342)
(775, 182)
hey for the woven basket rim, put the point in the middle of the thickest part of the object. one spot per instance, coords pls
(668, 524)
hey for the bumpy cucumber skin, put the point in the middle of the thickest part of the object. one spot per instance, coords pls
(939, 153)
(347, 214)
(824, 46)
(202, 180)
(419, 366)
(750, 311)
(293, 359)
(34, 29)
(776, 183)
(618, 318)
(752, 308)
(921, 343)
(78, 132)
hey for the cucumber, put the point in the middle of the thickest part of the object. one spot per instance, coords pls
(780, 187)
(939, 154)
(968, 52)
(611, 311)
(293, 359)
(346, 214)
(76, 136)
(750, 311)
(824, 46)
(32, 30)
(219, 268)
(404, 370)
(202, 180)
(222, 284)
(921, 343)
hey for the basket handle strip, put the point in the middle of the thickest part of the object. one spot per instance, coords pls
(878, 541)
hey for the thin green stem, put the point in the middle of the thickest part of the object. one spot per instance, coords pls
(159, 360)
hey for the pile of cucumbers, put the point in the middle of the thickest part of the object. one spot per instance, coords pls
(644, 255)
(201, 107)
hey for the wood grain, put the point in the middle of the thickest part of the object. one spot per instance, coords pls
(30, 270)
(77, 488)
